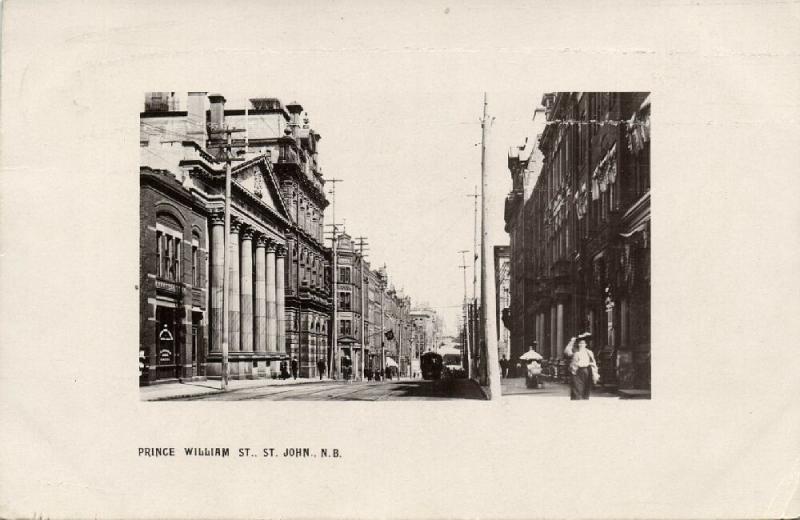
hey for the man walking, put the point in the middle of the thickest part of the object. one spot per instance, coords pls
(294, 367)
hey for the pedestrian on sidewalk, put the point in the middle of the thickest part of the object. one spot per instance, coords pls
(583, 368)
(284, 370)
(294, 367)
(389, 373)
(321, 368)
(504, 367)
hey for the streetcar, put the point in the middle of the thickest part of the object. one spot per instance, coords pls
(431, 365)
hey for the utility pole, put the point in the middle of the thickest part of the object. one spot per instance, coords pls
(362, 243)
(473, 309)
(488, 318)
(226, 257)
(333, 366)
(466, 343)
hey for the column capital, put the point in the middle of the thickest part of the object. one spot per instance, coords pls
(247, 232)
(217, 218)
(261, 239)
(280, 251)
(271, 245)
(235, 224)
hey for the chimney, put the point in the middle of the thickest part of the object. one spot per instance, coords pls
(294, 109)
(196, 117)
(217, 111)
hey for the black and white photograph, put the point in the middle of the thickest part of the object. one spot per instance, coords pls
(304, 314)
(399, 260)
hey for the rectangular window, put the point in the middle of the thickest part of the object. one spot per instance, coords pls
(345, 327)
(344, 275)
(168, 259)
(194, 265)
(176, 261)
(159, 252)
(345, 301)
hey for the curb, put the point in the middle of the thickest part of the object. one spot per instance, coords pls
(484, 391)
(213, 391)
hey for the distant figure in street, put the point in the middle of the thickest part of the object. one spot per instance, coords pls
(321, 368)
(533, 372)
(389, 373)
(583, 368)
(294, 367)
(284, 370)
(504, 367)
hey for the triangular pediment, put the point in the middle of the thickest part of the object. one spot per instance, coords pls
(258, 179)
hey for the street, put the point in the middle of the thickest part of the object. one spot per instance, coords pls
(355, 391)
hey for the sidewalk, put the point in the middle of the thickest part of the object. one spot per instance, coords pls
(168, 391)
(212, 386)
(515, 386)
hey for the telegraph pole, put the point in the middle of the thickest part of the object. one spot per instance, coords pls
(467, 346)
(362, 243)
(333, 366)
(471, 311)
(226, 257)
(488, 319)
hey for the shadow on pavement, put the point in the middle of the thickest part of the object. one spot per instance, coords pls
(445, 389)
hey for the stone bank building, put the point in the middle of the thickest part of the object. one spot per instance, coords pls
(279, 301)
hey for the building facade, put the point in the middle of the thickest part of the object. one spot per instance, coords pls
(524, 164)
(284, 134)
(502, 281)
(585, 253)
(350, 301)
(426, 329)
(276, 213)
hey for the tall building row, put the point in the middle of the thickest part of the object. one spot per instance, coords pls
(578, 216)
(374, 322)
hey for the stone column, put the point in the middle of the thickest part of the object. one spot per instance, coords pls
(559, 329)
(280, 297)
(261, 302)
(553, 326)
(217, 275)
(272, 328)
(246, 292)
(233, 293)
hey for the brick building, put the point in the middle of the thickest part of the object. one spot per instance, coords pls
(278, 308)
(584, 253)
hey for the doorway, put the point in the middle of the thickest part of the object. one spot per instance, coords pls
(167, 353)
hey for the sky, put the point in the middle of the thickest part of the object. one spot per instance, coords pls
(409, 161)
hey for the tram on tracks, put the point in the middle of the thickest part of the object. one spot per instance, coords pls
(431, 365)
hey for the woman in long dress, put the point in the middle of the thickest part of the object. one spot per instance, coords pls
(583, 368)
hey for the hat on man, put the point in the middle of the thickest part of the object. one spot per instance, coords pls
(585, 335)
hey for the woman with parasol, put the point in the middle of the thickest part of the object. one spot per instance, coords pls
(534, 368)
